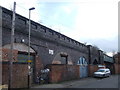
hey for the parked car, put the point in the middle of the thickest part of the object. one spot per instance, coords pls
(102, 73)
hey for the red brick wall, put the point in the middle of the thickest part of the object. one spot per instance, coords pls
(117, 63)
(63, 72)
(19, 75)
(38, 66)
(6, 54)
(117, 58)
(117, 68)
(20, 71)
(92, 69)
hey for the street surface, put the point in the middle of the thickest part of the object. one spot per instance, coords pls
(90, 82)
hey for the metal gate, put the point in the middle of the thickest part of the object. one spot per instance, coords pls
(83, 67)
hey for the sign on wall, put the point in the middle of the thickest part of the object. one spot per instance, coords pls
(51, 51)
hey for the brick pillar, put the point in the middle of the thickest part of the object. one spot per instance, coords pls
(38, 66)
(92, 69)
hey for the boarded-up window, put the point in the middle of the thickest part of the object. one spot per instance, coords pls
(64, 60)
(24, 58)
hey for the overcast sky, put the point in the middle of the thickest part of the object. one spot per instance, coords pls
(93, 22)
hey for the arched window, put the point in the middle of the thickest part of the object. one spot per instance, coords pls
(82, 61)
(95, 62)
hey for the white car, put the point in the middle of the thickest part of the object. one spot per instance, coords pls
(102, 73)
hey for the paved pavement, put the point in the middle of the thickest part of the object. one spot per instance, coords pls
(109, 82)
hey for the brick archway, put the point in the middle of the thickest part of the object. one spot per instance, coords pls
(20, 61)
(20, 47)
(62, 58)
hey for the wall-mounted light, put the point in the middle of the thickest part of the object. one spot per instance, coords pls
(22, 40)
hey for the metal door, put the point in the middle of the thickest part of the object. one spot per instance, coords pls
(83, 71)
(83, 67)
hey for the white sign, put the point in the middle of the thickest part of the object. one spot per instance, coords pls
(51, 52)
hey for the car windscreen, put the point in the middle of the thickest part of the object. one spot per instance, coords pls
(100, 70)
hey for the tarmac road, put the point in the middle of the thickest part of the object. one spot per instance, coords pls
(109, 82)
(90, 82)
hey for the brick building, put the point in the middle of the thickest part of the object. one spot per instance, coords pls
(48, 47)
(117, 63)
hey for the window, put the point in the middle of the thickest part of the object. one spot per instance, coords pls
(64, 60)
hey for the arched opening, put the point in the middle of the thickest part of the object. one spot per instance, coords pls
(20, 47)
(62, 58)
(82, 61)
(22, 57)
(95, 62)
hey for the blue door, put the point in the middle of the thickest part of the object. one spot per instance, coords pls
(83, 67)
(83, 71)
